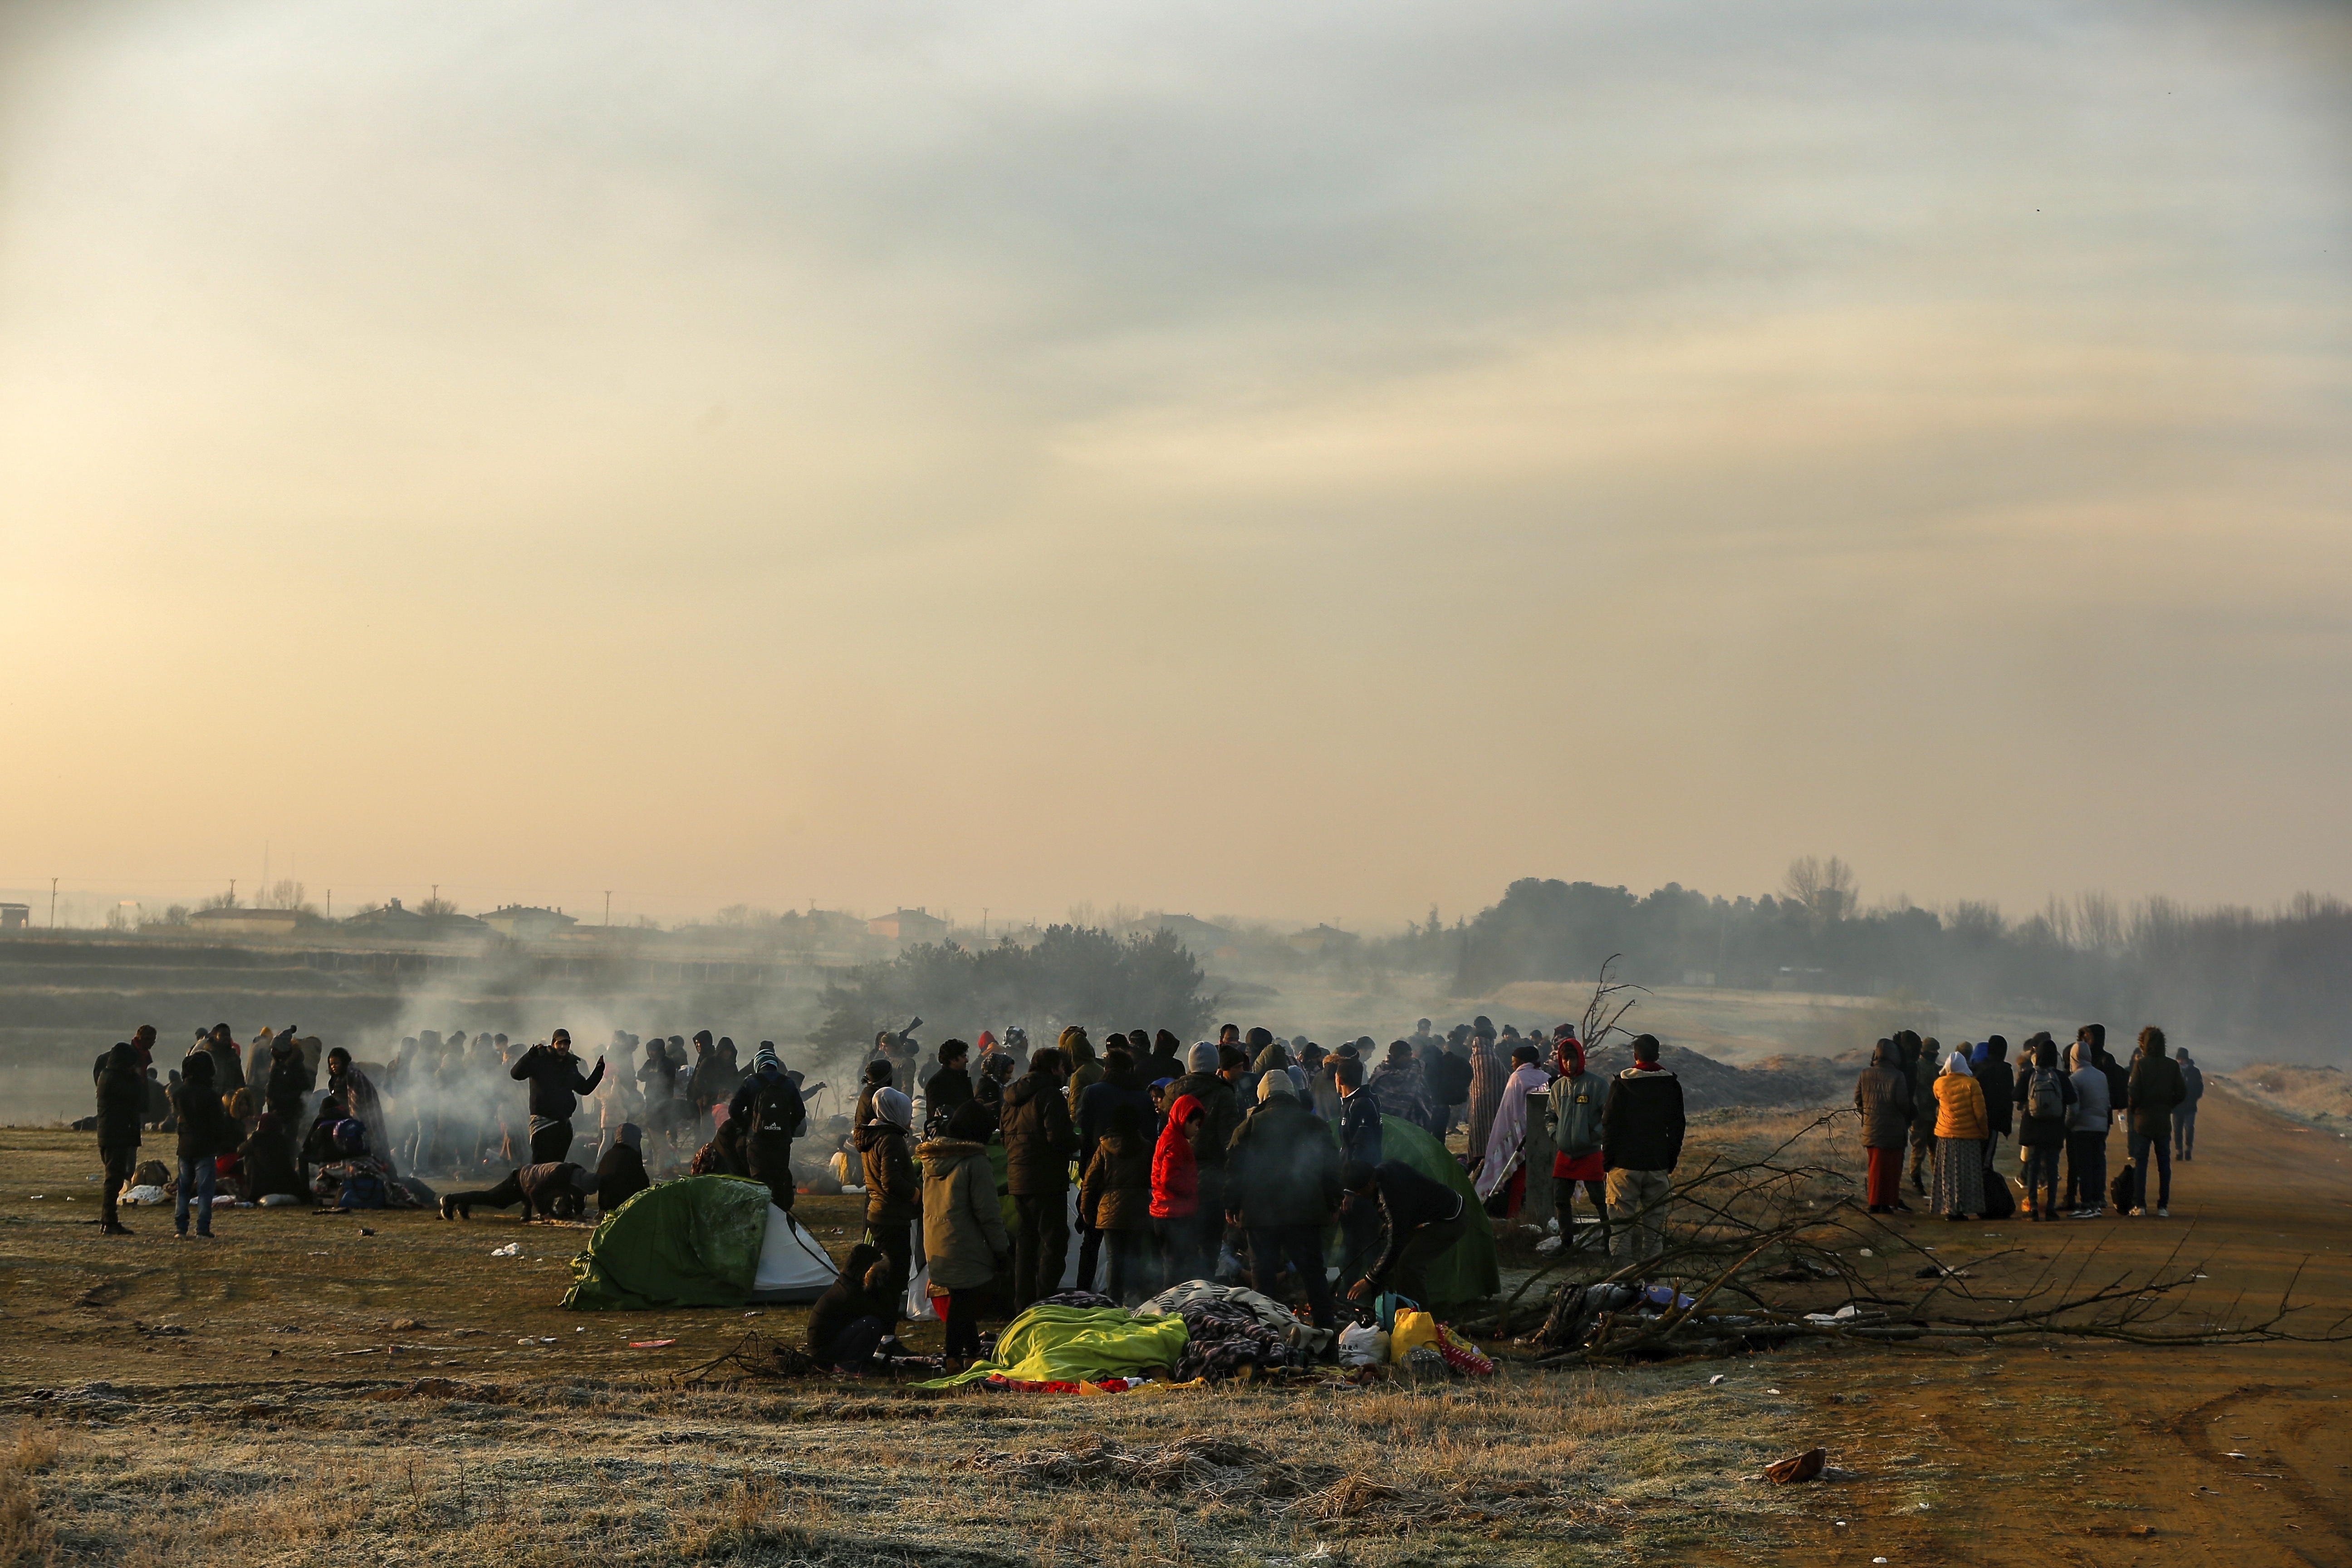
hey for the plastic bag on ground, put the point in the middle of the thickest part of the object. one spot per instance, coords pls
(1362, 1346)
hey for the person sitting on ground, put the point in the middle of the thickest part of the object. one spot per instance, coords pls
(122, 1107)
(963, 1230)
(849, 1325)
(1883, 1095)
(267, 1168)
(620, 1169)
(894, 1193)
(1641, 1142)
(1957, 1190)
(2044, 1099)
(555, 1188)
(1424, 1220)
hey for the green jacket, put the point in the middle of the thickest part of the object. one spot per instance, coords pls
(963, 1234)
(1576, 1106)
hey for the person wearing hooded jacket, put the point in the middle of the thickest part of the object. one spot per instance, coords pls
(1282, 1188)
(1116, 1195)
(229, 1068)
(1209, 1081)
(121, 1109)
(1998, 1082)
(2184, 1115)
(2045, 1101)
(1176, 1194)
(1080, 1068)
(894, 1193)
(1039, 1142)
(767, 1104)
(2154, 1087)
(964, 1241)
(1927, 1062)
(1118, 1086)
(2086, 1135)
(1883, 1095)
(555, 1080)
(1166, 1059)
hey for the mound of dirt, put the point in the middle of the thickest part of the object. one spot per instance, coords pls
(2309, 1093)
(1711, 1085)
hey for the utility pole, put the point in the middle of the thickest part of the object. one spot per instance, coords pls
(232, 892)
(53, 903)
(331, 903)
(608, 906)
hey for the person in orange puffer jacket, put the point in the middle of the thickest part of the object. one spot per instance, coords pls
(1176, 1195)
(1961, 1129)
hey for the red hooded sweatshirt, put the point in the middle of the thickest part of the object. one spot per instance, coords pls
(1175, 1176)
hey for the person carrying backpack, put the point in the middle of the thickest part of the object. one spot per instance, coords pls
(771, 1104)
(2184, 1115)
(2045, 1104)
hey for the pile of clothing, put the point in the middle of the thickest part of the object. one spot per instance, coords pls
(1228, 1328)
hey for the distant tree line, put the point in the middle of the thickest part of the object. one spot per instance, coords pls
(1071, 975)
(2282, 978)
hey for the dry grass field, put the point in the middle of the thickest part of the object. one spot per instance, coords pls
(297, 1391)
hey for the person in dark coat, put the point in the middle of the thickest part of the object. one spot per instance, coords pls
(1998, 1082)
(849, 1326)
(556, 1188)
(1166, 1059)
(2045, 1099)
(894, 1193)
(1927, 1063)
(204, 1133)
(620, 1169)
(1360, 1143)
(1282, 1188)
(556, 1082)
(765, 1116)
(1039, 1140)
(229, 1067)
(2152, 1089)
(1115, 1198)
(122, 1110)
(1424, 1220)
(268, 1166)
(1883, 1095)
(2184, 1115)
(1100, 1100)
(290, 1081)
(1641, 1143)
(877, 1076)
(948, 1087)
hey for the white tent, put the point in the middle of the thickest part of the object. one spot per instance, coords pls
(793, 1267)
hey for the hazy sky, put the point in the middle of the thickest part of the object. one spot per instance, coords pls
(1303, 459)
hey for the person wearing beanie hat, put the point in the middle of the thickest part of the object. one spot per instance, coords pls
(1202, 1058)
(767, 1110)
(556, 1082)
(894, 1193)
(621, 1170)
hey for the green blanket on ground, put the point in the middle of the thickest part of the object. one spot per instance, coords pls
(1471, 1272)
(689, 1243)
(1077, 1344)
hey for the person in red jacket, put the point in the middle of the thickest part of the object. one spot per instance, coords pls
(1176, 1195)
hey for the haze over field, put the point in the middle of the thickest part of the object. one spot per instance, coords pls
(1306, 459)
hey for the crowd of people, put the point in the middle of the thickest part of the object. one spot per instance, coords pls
(1234, 1158)
(1952, 1110)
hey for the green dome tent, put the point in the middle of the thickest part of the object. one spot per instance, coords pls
(1471, 1272)
(705, 1241)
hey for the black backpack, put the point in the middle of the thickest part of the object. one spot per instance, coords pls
(2045, 1098)
(2000, 1201)
(777, 1109)
(2120, 1194)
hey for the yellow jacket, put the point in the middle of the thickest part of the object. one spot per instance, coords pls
(1959, 1107)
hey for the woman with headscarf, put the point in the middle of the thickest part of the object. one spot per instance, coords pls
(361, 1101)
(1505, 1170)
(1957, 1190)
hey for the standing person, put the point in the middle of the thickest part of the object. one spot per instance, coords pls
(2087, 1134)
(877, 1078)
(1486, 1074)
(2118, 1087)
(2045, 1099)
(1399, 1087)
(122, 1107)
(1166, 1059)
(2155, 1087)
(556, 1082)
(1038, 1144)
(1282, 1188)
(1360, 1143)
(1176, 1194)
(1210, 1082)
(963, 1233)
(765, 1115)
(1957, 1190)
(894, 1193)
(229, 1067)
(360, 1100)
(1999, 1083)
(287, 1091)
(1118, 1086)
(949, 1087)
(1927, 1062)
(1577, 1100)
(204, 1136)
(1503, 1170)
(2184, 1115)
(1883, 1095)
(1080, 1070)
(1641, 1143)
(1118, 1194)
